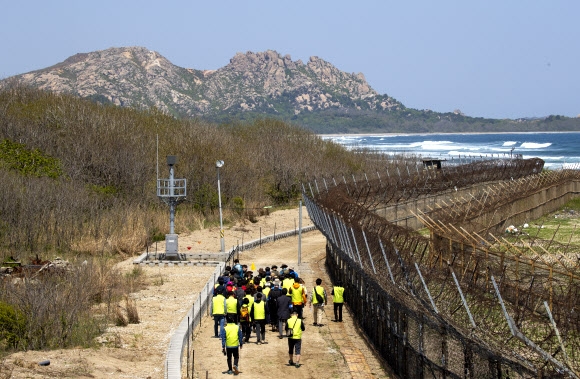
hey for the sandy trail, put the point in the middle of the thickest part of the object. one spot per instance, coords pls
(138, 351)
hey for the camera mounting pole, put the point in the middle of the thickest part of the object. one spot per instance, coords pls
(172, 192)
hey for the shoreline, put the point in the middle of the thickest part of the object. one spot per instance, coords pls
(331, 135)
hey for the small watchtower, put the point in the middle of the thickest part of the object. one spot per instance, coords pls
(433, 162)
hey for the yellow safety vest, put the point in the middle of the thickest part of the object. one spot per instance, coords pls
(318, 290)
(263, 282)
(338, 295)
(232, 305)
(251, 298)
(266, 292)
(295, 324)
(218, 305)
(260, 310)
(232, 335)
(287, 283)
(297, 295)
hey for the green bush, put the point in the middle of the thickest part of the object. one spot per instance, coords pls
(238, 205)
(12, 326)
(17, 156)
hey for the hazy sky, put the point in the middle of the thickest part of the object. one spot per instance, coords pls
(499, 59)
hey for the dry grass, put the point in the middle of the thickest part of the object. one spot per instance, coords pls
(120, 319)
(131, 309)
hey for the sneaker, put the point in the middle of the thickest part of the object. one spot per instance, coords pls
(320, 324)
(264, 342)
(229, 372)
(290, 362)
(297, 365)
(236, 371)
(315, 324)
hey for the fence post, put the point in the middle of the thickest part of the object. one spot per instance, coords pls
(369, 251)
(188, 331)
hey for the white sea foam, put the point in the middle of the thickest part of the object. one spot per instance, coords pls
(534, 145)
(552, 158)
(501, 146)
(436, 145)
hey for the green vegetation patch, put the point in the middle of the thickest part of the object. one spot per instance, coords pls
(560, 228)
(16, 156)
(12, 326)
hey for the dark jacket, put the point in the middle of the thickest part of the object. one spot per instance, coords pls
(239, 293)
(284, 307)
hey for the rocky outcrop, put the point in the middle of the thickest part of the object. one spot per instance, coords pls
(263, 82)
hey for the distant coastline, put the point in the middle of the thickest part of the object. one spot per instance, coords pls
(331, 135)
(556, 148)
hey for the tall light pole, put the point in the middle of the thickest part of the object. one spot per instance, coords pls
(219, 164)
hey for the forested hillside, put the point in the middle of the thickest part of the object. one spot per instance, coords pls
(81, 177)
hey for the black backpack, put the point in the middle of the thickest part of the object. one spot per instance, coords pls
(274, 294)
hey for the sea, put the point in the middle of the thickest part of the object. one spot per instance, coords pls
(557, 149)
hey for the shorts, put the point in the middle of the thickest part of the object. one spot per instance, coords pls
(294, 346)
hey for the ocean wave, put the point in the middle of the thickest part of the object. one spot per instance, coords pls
(535, 145)
(509, 143)
(549, 158)
(436, 145)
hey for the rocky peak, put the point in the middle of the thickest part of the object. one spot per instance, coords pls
(137, 76)
(260, 61)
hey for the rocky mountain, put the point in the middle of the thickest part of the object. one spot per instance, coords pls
(264, 82)
(315, 94)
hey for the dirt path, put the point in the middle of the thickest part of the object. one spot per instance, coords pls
(138, 351)
(331, 351)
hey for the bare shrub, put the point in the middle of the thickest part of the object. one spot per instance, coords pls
(58, 305)
(104, 201)
(120, 319)
(131, 307)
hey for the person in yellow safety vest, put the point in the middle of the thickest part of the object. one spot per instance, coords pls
(266, 290)
(250, 299)
(218, 310)
(259, 314)
(294, 327)
(220, 282)
(297, 293)
(265, 298)
(318, 299)
(232, 342)
(232, 306)
(287, 283)
(338, 300)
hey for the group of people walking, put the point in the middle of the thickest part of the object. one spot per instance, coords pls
(244, 303)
